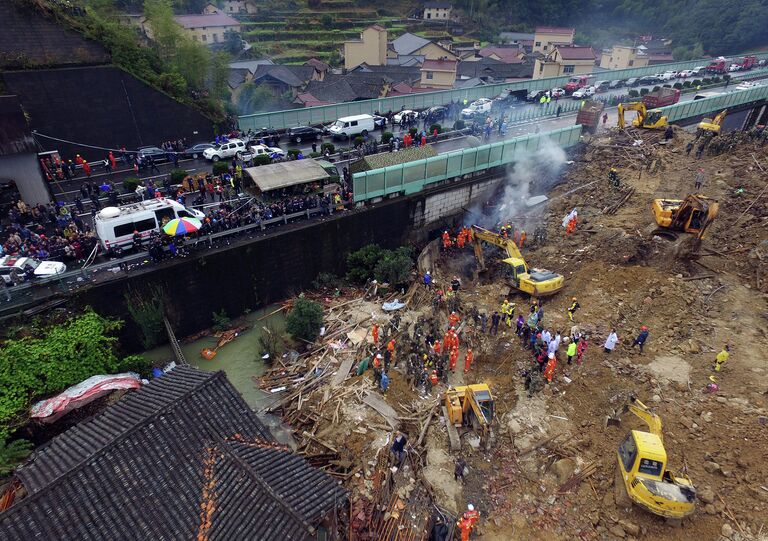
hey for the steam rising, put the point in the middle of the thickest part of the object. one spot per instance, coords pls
(533, 173)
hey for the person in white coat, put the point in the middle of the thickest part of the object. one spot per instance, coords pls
(611, 341)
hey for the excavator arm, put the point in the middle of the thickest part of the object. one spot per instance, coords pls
(631, 106)
(490, 237)
(651, 419)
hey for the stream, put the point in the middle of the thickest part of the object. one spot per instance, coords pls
(240, 360)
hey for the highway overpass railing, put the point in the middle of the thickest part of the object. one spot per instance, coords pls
(413, 177)
(693, 108)
(328, 113)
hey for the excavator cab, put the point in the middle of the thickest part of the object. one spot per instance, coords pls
(694, 214)
(514, 269)
(469, 407)
(709, 127)
(654, 119)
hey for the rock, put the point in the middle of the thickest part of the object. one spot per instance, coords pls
(706, 495)
(726, 530)
(706, 416)
(710, 509)
(693, 346)
(618, 531)
(647, 300)
(655, 398)
(711, 467)
(563, 469)
(630, 527)
(721, 399)
(687, 422)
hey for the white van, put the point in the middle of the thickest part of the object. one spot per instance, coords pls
(349, 126)
(115, 225)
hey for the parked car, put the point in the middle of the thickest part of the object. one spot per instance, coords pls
(351, 126)
(699, 70)
(616, 83)
(398, 117)
(633, 81)
(435, 113)
(535, 95)
(14, 270)
(584, 92)
(157, 154)
(379, 122)
(648, 80)
(734, 67)
(265, 133)
(668, 75)
(684, 74)
(304, 133)
(263, 150)
(557, 92)
(195, 151)
(477, 107)
(602, 86)
(230, 149)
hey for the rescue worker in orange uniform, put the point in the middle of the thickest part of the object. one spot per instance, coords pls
(375, 334)
(468, 358)
(437, 346)
(460, 240)
(391, 349)
(549, 371)
(468, 521)
(453, 319)
(522, 238)
(453, 359)
(446, 240)
(433, 378)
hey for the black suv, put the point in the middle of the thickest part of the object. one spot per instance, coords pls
(265, 133)
(304, 133)
(649, 80)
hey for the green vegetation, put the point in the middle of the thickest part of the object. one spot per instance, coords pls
(694, 26)
(147, 309)
(130, 183)
(305, 319)
(372, 261)
(221, 167)
(178, 175)
(48, 360)
(386, 137)
(220, 321)
(12, 453)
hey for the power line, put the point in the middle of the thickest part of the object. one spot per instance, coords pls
(38, 134)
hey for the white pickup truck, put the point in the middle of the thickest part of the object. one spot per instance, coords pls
(263, 150)
(477, 107)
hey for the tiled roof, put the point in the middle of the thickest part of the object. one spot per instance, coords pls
(554, 30)
(237, 76)
(293, 76)
(576, 53)
(251, 65)
(505, 54)
(182, 457)
(350, 87)
(206, 21)
(438, 5)
(319, 65)
(439, 65)
(408, 43)
(489, 68)
(515, 36)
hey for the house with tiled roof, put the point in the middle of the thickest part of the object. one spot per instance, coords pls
(206, 28)
(489, 70)
(412, 45)
(509, 54)
(184, 457)
(546, 38)
(621, 57)
(370, 48)
(437, 11)
(439, 74)
(565, 60)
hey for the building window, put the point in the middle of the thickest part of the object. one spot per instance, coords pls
(538, 44)
(568, 69)
(215, 38)
(430, 75)
(631, 63)
(546, 47)
(204, 37)
(429, 15)
(194, 37)
(541, 67)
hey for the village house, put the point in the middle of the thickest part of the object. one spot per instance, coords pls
(233, 7)
(440, 74)
(206, 29)
(622, 57)
(437, 11)
(370, 49)
(183, 457)
(565, 60)
(413, 46)
(546, 38)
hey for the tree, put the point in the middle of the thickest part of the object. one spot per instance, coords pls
(11, 454)
(253, 98)
(166, 32)
(361, 264)
(395, 267)
(233, 42)
(193, 62)
(305, 320)
(219, 74)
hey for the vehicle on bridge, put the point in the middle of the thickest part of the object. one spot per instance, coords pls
(351, 126)
(653, 119)
(15, 270)
(115, 226)
(230, 149)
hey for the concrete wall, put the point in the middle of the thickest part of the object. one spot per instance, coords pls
(438, 207)
(371, 49)
(24, 170)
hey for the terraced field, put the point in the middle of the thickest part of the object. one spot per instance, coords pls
(294, 32)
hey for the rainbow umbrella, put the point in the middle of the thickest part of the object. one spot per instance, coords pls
(182, 226)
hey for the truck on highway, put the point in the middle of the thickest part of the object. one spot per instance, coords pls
(575, 83)
(661, 98)
(746, 63)
(719, 65)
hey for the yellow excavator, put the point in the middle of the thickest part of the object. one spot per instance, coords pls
(535, 282)
(653, 119)
(694, 215)
(642, 473)
(469, 407)
(709, 127)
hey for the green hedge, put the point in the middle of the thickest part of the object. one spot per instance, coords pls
(130, 184)
(178, 175)
(386, 137)
(220, 167)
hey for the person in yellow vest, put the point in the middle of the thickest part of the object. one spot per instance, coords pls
(722, 357)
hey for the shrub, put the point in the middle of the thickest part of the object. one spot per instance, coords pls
(386, 137)
(147, 309)
(360, 264)
(293, 152)
(12, 453)
(130, 184)
(325, 280)
(314, 154)
(220, 321)
(330, 147)
(327, 20)
(677, 86)
(633, 93)
(178, 175)
(261, 159)
(270, 343)
(434, 127)
(413, 131)
(459, 125)
(358, 141)
(305, 320)
(696, 82)
(716, 80)
(394, 267)
(706, 81)
(656, 88)
(686, 84)
(219, 168)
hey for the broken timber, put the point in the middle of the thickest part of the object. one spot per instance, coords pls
(384, 409)
(453, 434)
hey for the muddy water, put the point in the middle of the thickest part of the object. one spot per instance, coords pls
(239, 360)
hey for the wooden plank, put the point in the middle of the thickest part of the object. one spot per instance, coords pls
(453, 434)
(384, 409)
(343, 372)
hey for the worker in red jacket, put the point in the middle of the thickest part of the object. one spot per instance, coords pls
(468, 358)
(375, 334)
(453, 359)
(468, 521)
